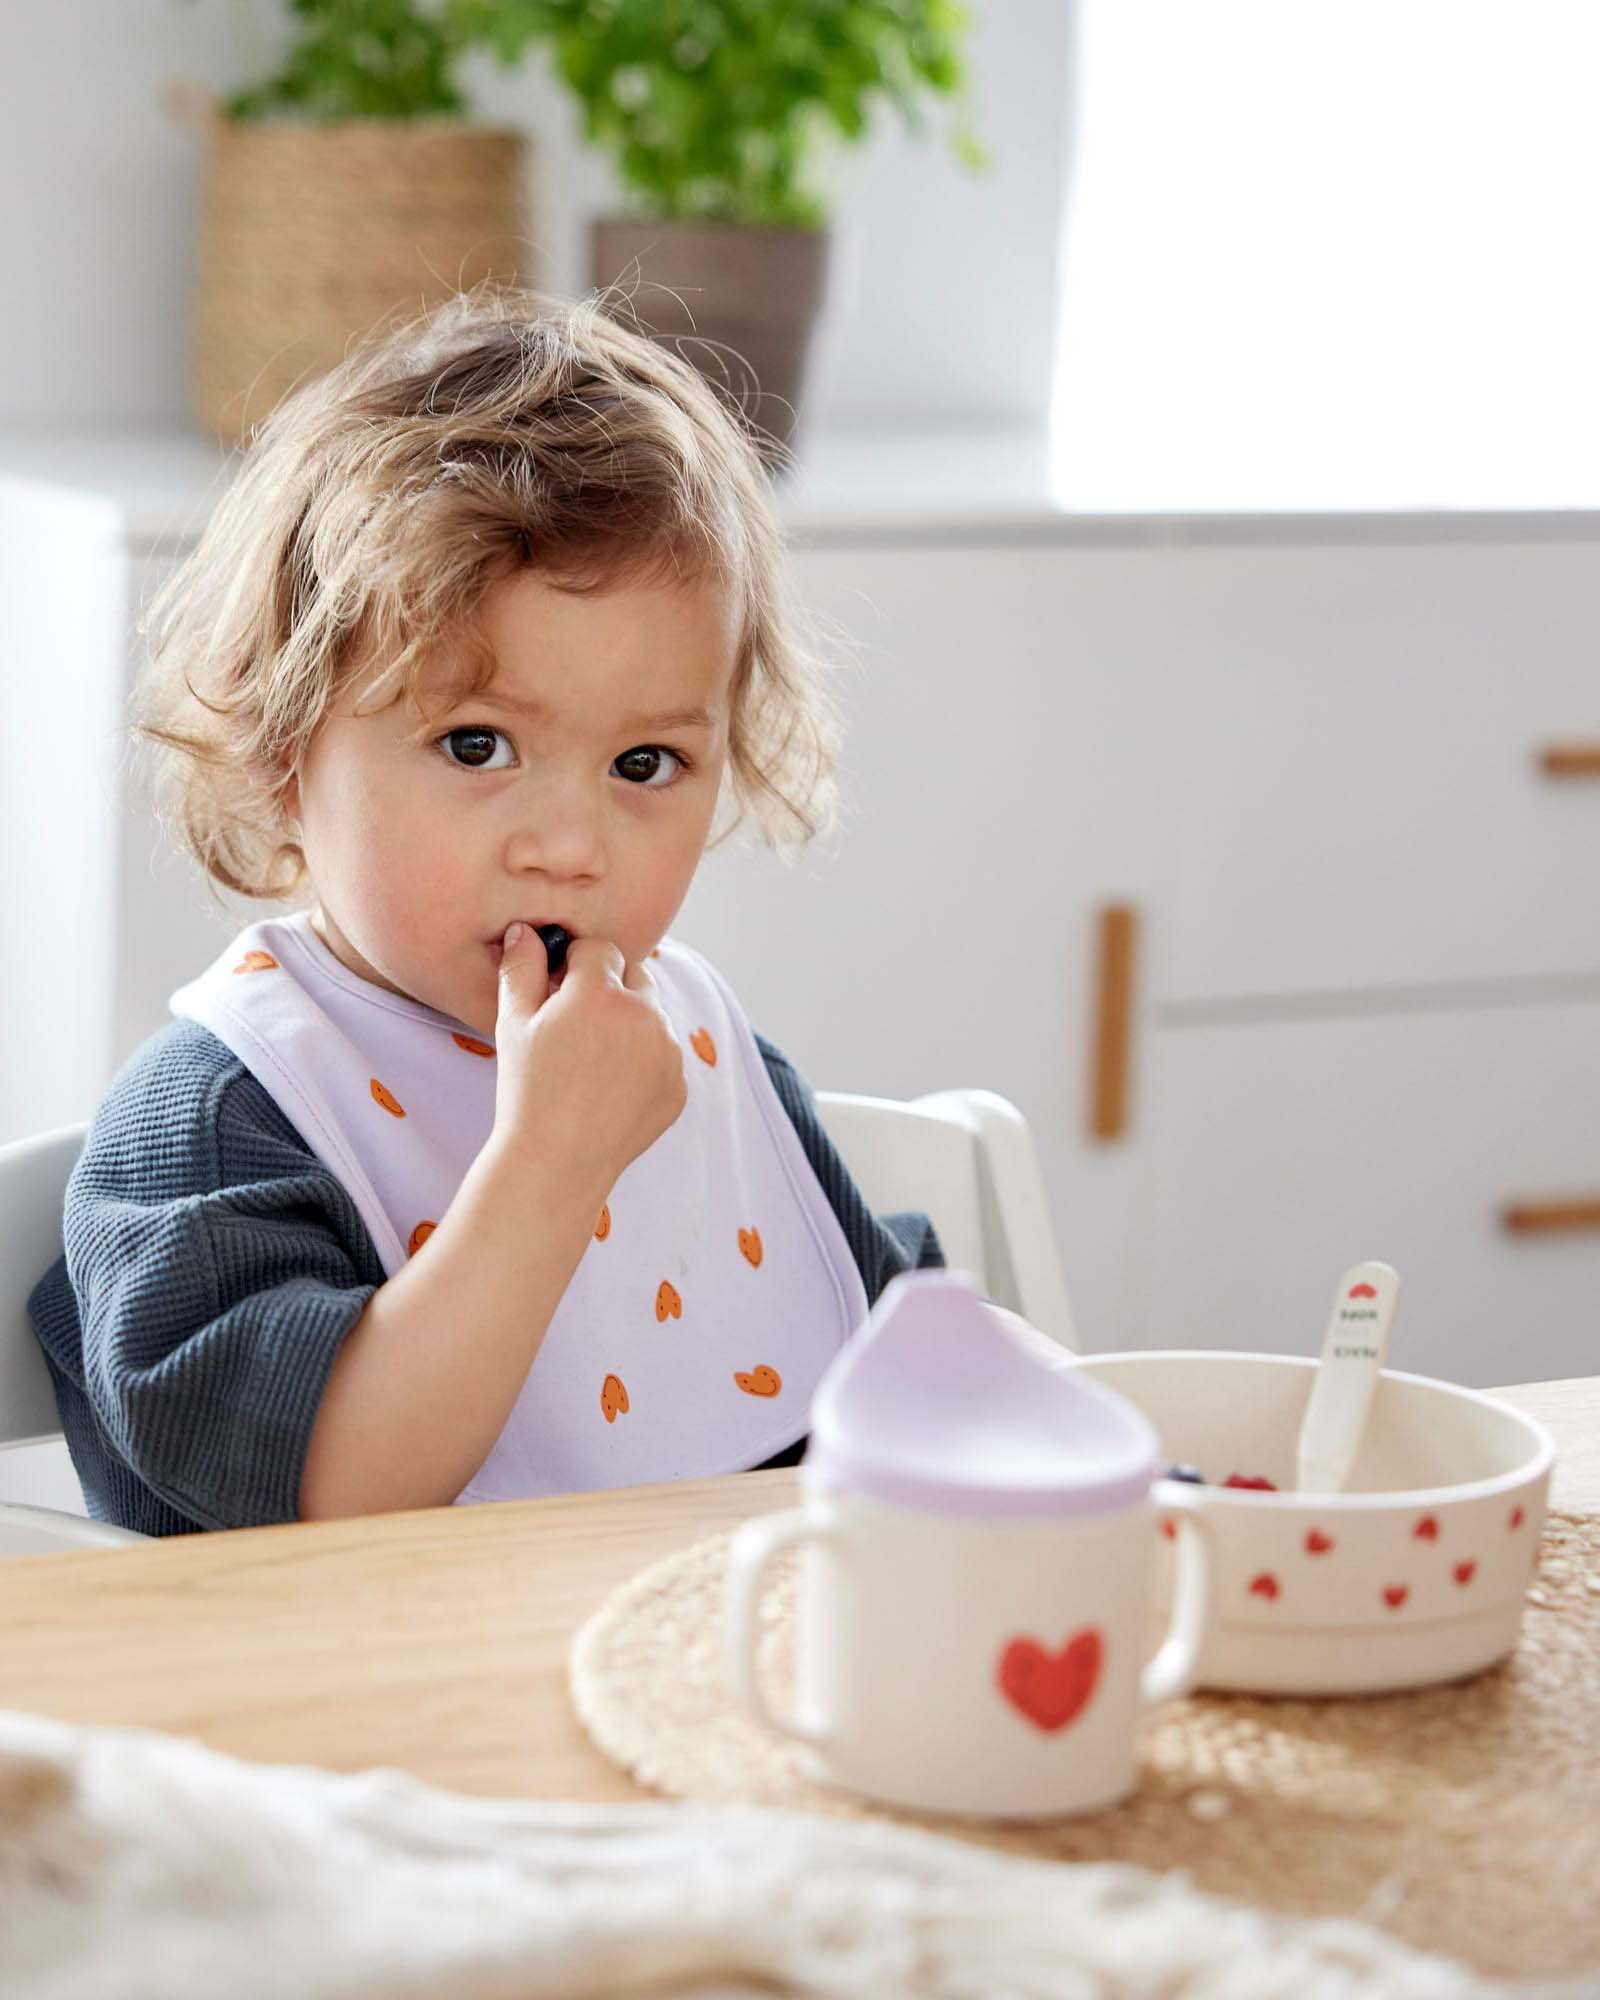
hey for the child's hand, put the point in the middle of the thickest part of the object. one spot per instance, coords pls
(593, 1073)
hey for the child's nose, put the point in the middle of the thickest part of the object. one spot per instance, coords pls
(561, 831)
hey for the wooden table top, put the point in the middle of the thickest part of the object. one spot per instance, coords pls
(434, 1642)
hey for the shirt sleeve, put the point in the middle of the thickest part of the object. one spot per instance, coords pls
(883, 1246)
(217, 1268)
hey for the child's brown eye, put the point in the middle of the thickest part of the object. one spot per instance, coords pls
(657, 751)
(470, 748)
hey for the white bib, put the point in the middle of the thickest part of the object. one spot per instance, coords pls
(718, 1284)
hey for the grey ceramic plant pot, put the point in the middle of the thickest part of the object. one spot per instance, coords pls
(739, 302)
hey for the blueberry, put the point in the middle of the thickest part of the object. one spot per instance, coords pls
(556, 941)
(1186, 1473)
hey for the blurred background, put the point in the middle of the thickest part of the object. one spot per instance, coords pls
(1194, 441)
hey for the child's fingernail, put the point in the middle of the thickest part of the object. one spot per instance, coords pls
(513, 932)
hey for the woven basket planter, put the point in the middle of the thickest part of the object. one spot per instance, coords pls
(314, 233)
(739, 302)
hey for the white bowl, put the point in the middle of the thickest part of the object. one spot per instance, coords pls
(1416, 1573)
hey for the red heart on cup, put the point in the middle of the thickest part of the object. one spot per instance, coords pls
(1465, 1572)
(1427, 1529)
(1317, 1543)
(1264, 1585)
(1050, 1689)
(1395, 1594)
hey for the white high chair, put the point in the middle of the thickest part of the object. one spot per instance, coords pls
(965, 1158)
(33, 1184)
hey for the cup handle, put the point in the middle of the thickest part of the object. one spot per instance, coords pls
(1172, 1670)
(753, 1547)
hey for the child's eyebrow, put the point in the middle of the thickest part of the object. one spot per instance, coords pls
(538, 711)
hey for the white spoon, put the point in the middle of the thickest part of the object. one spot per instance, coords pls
(1352, 1354)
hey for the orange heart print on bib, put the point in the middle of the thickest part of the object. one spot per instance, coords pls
(257, 961)
(668, 1304)
(762, 1381)
(750, 1244)
(613, 1398)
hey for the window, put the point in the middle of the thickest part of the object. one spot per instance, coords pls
(1330, 254)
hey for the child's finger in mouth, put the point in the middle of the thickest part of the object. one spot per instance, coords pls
(556, 940)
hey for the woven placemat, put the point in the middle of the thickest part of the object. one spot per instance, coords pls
(1463, 1819)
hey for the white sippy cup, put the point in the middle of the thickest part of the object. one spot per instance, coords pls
(975, 1586)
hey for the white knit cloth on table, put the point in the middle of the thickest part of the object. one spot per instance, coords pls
(137, 1864)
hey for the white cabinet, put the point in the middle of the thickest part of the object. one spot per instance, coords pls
(62, 590)
(1274, 1155)
(1313, 772)
(1366, 804)
(101, 912)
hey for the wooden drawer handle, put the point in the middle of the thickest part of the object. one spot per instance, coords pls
(1113, 1028)
(1545, 1218)
(1570, 760)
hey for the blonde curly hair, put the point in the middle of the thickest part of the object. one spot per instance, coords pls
(499, 430)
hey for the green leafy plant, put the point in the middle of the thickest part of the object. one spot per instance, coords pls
(721, 110)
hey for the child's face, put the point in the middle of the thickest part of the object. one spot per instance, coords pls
(593, 816)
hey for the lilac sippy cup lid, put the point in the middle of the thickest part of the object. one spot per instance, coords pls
(937, 1404)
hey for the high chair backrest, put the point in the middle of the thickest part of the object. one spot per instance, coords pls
(33, 1183)
(967, 1160)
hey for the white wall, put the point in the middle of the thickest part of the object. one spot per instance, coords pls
(945, 284)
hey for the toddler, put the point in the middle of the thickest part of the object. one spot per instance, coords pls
(462, 1179)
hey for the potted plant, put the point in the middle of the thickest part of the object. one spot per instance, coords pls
(349, 184)
(352, 181)
(720, 117)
